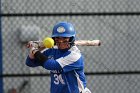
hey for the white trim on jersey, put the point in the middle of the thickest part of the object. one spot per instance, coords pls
(71, 58)
(80, 83)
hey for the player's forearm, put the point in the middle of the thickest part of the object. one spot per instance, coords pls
(40, 57)
(52, 64)
(31, 62)
(49, 64)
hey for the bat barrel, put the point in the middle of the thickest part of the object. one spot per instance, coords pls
(88, 42)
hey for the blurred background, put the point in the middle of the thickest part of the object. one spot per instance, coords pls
(113, 67)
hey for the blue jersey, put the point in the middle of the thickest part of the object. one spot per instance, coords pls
(66, 69)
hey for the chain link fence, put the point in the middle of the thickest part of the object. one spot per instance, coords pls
(111, 68)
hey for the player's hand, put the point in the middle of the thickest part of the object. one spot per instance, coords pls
(32, 51)
(35, 44)
(31, 44)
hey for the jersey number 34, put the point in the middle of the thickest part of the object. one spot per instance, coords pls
(58, 79)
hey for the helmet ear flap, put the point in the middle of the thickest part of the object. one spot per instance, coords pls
(72, 39)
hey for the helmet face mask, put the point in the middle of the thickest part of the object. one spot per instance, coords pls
(64, 30)
(62, 42)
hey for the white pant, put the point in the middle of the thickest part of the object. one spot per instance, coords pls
(86, 90)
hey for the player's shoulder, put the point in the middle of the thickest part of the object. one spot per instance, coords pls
(75, 49)
(49, 51)
(74, 52)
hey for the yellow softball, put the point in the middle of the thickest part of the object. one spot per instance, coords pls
(48, 42)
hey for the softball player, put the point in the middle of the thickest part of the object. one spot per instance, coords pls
(65, 62)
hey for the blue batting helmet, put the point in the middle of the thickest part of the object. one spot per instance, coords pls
(63, 29)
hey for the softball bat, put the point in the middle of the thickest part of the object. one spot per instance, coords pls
(50, 43)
